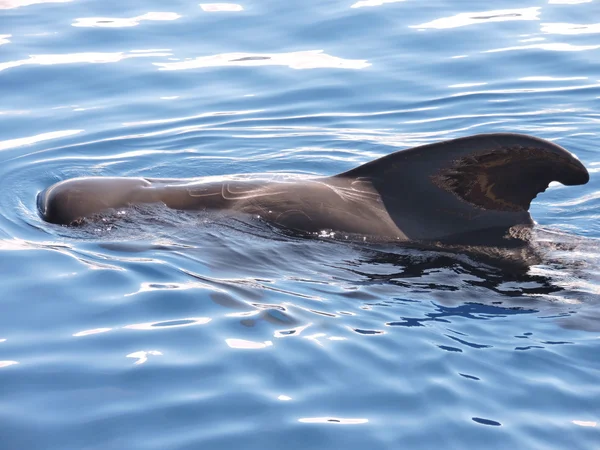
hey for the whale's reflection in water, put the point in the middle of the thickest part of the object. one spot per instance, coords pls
(554, 276)
(468, 310)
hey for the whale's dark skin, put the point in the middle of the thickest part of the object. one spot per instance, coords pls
(468, 189)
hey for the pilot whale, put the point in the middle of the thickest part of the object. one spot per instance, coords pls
(459, 191)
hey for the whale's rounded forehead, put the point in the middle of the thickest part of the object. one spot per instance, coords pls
(82, 184)
(67, 201)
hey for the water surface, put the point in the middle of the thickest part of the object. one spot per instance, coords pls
(161, 329)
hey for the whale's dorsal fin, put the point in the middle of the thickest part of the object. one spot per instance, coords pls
(485, 181)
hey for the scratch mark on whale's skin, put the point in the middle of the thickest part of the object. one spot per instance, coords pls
(228, 194)
(291, 211)
(468, 190)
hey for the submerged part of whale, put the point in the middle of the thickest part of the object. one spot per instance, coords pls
(463, 190)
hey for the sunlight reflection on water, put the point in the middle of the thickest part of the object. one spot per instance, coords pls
(154, 328)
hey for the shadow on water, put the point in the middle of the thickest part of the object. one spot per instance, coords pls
(484, 267)
(468, 310)
(249, 259)
(554, 275)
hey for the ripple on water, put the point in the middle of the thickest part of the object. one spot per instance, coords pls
(153, 329)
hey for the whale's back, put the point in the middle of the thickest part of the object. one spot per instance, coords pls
(464, 190)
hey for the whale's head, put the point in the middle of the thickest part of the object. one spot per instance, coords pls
(69, 201)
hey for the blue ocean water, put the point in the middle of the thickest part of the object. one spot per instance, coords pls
(165, 330)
